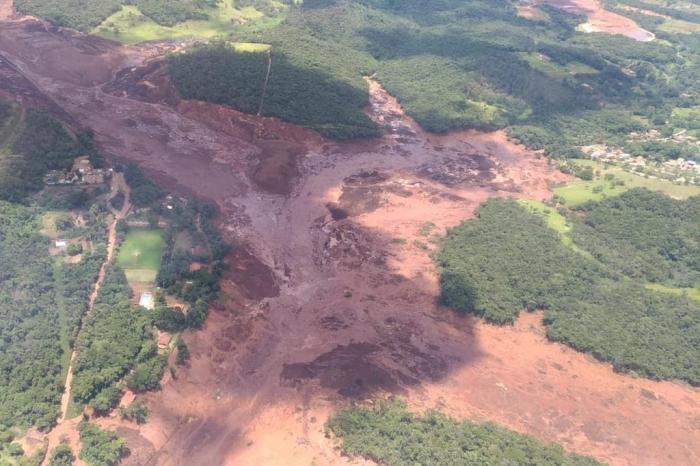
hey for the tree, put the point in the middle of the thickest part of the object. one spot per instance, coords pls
(183, 352)
(100, 447)
(62, 455)
(147, 375)
(136, 411)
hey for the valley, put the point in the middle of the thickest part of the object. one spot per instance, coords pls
(330, 296)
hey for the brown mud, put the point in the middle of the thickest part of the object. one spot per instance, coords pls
(599, 19)
(331, 295)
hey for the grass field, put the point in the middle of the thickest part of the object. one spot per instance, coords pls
(692, 293)
(140, 254)
(251, 47)
(130, 26)
(678, 26)
(579, 191)
(48, 223)
(555, 221)
(554, 69)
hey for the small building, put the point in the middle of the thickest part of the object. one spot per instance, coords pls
(61, 244)
(164, 340)
(146, 300)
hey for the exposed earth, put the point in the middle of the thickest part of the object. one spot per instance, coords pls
(599, 19)
(330, 297)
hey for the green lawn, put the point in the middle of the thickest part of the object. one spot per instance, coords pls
(130, 26)
(579, 191)
(140, 254)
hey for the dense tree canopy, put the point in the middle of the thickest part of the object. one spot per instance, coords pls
(392, 435)
(507, 260)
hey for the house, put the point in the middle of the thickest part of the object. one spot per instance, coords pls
(82, 172)
(147, 300)
(61, 244)
(164, 340)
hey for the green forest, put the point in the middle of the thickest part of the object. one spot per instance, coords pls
(507, 260)
(391, 435)
(462, 64)
(30, 353)
(43, 302)
(84, 16)
(31, 143)
(115, 338)
(452, 64)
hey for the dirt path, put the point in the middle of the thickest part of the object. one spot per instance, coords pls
(331, 298)
(118, 185)
(67, 428)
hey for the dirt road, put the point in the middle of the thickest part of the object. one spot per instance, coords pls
(331, 298)
(67, 429)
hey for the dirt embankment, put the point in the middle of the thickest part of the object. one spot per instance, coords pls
(332, 299)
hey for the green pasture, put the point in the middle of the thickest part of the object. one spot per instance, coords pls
(139, 255)
(579, 191)
(130, 26)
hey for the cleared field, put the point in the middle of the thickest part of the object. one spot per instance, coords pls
(251, 47)
(555, 221)
(140, 254)
(48, 223)
(678, 26)
(546, 65)
(692, 293)
(129, 25)
(580, 191)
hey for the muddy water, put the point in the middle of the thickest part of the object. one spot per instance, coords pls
(320, 309)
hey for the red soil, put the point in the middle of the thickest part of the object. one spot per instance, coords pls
(321, 308)
(600, 19)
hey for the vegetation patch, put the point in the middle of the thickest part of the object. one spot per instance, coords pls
(100, 447)
(392, 435)
(293, 90)
(610, 181)
(131, 24)
(114, 338)
(507, 259)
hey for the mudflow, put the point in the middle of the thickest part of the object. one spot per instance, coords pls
(330, 294)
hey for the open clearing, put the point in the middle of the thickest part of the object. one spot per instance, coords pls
(579, 191)
(331, 297)
(692, 293)
(140, 254)
(130, 26)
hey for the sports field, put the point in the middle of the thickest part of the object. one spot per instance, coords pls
(140, 254)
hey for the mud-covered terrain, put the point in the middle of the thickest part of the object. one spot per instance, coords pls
(599, 19)
(330, 296)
